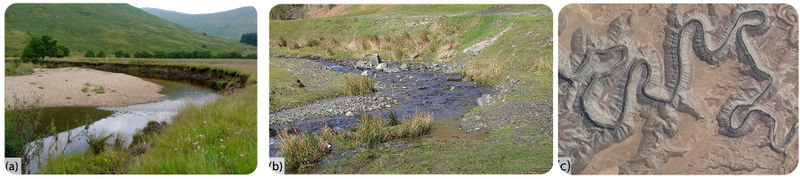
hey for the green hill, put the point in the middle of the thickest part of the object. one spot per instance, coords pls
(106, 27)
(229, 24)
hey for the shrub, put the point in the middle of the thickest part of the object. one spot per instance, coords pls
(101, 54)
(159, 54)
(89, 54)
(62, 51)
(251, 56)
(97, 143)
(142, 55)
(229, 55)
(121, 54)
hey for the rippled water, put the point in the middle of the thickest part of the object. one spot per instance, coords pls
(118, 122)
(445, 96)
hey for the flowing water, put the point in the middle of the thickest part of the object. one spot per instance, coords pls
(75, 125)
(445, 96)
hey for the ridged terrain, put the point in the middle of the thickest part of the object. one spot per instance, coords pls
(607, 84)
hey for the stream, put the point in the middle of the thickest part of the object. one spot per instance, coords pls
(123, 122)
(445, 96)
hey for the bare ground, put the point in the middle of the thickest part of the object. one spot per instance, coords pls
(69, 87)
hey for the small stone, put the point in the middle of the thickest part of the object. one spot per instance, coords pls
(365, 73)
(380, 66)
(349, 113)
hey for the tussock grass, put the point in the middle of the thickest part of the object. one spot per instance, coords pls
(370, 131)
(355, 84)
(419, 124)
(301, 149)
(484, 72)
(307, 148)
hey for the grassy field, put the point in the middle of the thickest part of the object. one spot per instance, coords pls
(228, 24)
(108, 28)
(521, 51)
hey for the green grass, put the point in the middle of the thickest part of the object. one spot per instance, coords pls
(224, 131)
(99, 90)
(355, 84)
(106, 28)
(106, 162)
(360, 31)
(229, 24)
(524, 50)
(493, 155)
(286, 91)
(449, 157)
(217, 138)
(302, 150)
(16, 68)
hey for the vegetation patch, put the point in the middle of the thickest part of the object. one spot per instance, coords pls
(302, 150)
(18, 68)
(217, 138)
(287, 91)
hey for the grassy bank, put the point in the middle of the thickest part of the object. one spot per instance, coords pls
(18, 68)
(288, 89)
(302, 150)
(217, 138)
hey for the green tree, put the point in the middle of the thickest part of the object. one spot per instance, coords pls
(62, 51)
(50, 46)
(40, 47)
(89, 53)
(142, 55)
(101, 54)
(33, 51)
(249, 38)
(119, 54)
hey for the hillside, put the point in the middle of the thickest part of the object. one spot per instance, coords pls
(229, 24)
(106, 27)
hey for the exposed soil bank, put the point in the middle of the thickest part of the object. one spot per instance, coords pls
(208, 77)
(72, 87)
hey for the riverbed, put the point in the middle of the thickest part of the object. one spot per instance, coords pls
(445, 96)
